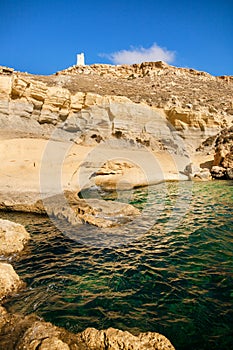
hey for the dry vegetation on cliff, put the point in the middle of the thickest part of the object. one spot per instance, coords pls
(154, 83)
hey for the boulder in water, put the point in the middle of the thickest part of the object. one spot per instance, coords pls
(9, 280)
(12, 237)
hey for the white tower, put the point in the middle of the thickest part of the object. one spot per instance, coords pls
(80, 59)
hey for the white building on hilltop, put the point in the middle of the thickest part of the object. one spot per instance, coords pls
(80, 59)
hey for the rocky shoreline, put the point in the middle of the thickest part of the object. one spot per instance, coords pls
(176, 116)
(30, 332)
(114, 128)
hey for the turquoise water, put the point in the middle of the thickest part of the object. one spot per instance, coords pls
(172, 279)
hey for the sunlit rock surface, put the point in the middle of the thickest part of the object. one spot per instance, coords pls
(9, 281)
(13, 237)
(31, 333)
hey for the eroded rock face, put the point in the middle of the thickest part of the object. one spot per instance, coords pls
(9, 281)
(13, 237)
(140, 101)
(196, 173)
(223, 159)
(224, 149)
(218, 172)
(229, 173)
(33, 106)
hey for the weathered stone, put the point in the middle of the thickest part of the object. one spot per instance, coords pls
(38, 91)
(13, 237)
(28, 202)
(9, 281)
(77, 101)
(42, 335)
(115, 339)
(202, 175)
(57, 97)
(196, 115)
(92, 211)
(52, 343)
(224, 148)
(3, 318)
(21, 109)
(31, 333)
(19, 87)
(71, 208)
(229, 173)
(163, 108)
(5, 87)
(191, 169)
(195, 173)
(218, 172)
(4, 111)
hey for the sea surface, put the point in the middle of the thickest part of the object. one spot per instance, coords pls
(173, 276)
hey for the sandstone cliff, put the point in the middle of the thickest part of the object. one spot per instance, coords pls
(167, 110)
(139, 101)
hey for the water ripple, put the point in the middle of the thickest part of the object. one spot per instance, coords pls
(176, 282)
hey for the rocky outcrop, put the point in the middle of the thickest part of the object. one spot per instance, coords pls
(190, 98)
(38, 108)
(218, 172)
(166, 110)
(138, 101)
(92, 211)
(69, 207)
(28, 202)
(196, 173)
(31, 333)
(9, 281)
(13, 237)
(224, 149)
(116, 339)
(223, 159)
(119, 175)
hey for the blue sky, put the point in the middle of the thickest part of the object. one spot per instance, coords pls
(44, 36)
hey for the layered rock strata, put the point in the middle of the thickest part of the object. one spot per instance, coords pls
(51, 125)
(126, 101)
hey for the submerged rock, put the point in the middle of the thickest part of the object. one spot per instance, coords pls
(12, 237)
(9, 281)
(96, 212)
(67, 206)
